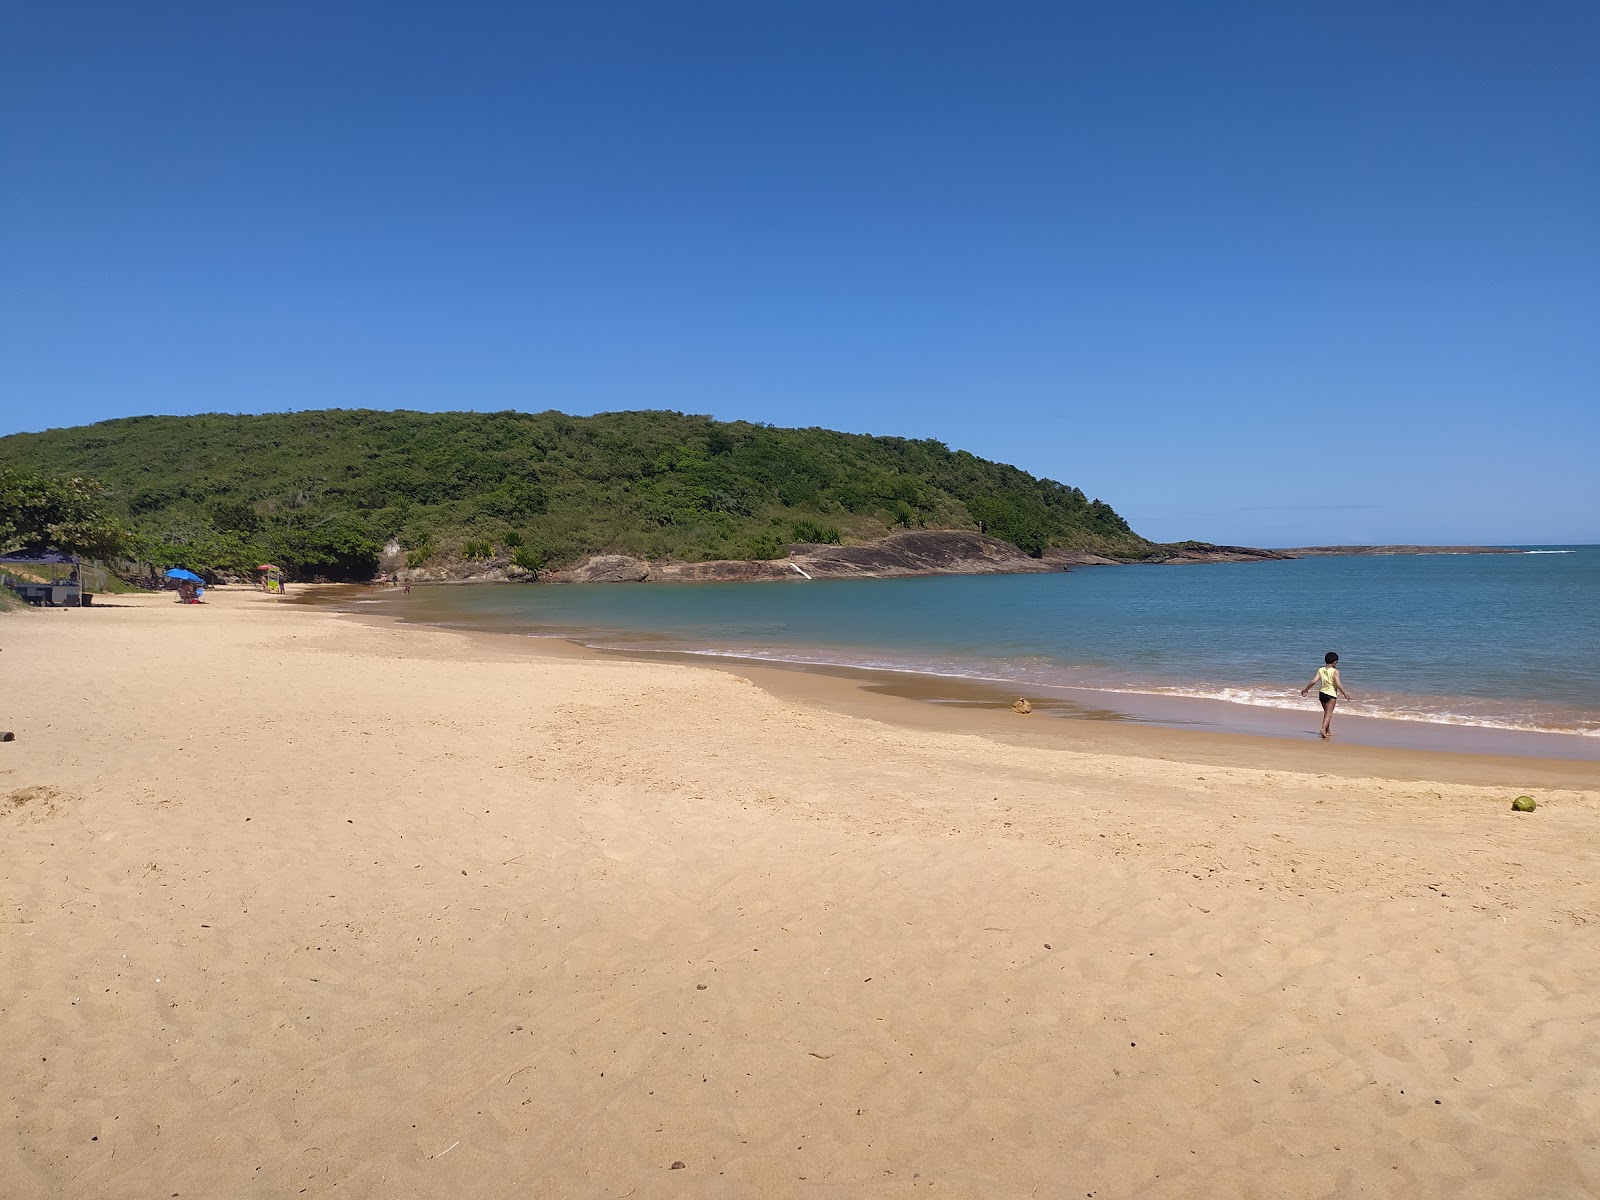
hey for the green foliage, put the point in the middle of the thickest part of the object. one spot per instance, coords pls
(477, 548)
(528, 559)
(68, 513)
(321, 492)
(817, 534)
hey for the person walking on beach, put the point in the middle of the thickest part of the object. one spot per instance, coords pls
(1329, 689)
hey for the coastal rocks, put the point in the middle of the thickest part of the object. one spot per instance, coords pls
(919, 552)
(721, 571)
(1180, 554)
(1186, 553)
(603, 568)
(462, 571)
(1080, 558)
(1022, 706)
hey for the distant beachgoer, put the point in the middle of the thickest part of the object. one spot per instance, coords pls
(1329, 689)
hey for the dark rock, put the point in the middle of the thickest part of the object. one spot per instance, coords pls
(920, 552)
(1186, 553)
(917, 552)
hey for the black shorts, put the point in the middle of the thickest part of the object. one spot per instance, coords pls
(1326, 698)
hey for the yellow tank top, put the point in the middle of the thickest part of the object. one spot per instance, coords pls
(1325, 680)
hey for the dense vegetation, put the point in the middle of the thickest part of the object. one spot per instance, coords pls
(71, 514)
(322, 492)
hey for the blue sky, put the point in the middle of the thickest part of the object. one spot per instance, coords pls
(1267, 272)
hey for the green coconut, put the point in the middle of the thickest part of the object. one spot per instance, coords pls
(1523, 804)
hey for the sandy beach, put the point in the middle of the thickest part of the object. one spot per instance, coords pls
(295, 903)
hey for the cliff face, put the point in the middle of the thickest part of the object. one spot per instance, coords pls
(919, 552)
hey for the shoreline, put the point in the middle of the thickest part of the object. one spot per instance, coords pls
(985, 700)
(306, 900)
(943, 552)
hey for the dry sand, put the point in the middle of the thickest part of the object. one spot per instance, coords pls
(294, 904)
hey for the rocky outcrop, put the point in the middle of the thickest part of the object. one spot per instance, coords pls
(1079, 558)
(919, 552)
(467, 571)
(1205, 552)
(1179, 554)
(915, 552)
(602, 568)
(722, 571)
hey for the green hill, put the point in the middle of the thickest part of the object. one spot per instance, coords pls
(323, 491)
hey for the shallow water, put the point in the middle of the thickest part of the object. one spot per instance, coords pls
(1506, 641)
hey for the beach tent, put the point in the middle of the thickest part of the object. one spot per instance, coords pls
(59, 591)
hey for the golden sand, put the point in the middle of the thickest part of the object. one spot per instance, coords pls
(296, 904)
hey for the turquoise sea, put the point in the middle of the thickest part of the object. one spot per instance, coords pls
(1501, 641)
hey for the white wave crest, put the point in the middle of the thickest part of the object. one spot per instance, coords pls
(1395, 711)
(1391, 710)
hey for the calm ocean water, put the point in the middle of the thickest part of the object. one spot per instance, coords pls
(1509, 641)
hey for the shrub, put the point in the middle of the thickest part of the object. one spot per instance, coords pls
(815, 532)
(477, 548)
(761, 546)
(528, 559)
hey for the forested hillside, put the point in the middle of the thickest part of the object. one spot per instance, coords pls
(324, 491)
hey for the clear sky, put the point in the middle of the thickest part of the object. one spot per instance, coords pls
(1267, 272)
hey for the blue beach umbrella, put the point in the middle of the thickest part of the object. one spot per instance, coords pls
(180, 573)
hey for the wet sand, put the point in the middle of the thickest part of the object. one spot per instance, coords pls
(1174, 712)
(399, 911)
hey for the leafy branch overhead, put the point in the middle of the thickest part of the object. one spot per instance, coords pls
(66, 513)
(326, 490)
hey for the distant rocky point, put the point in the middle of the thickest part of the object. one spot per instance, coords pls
(919, 552)
(915, 552)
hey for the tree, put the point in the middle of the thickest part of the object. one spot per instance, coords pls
(324, 492)
(67, 513)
